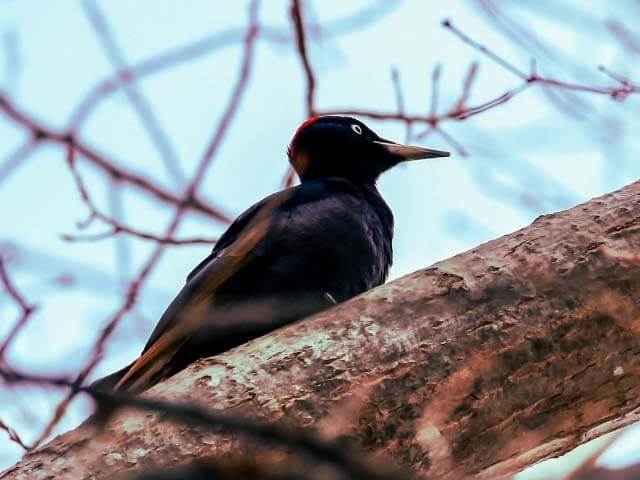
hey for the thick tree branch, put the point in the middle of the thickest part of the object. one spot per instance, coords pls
(482, 364)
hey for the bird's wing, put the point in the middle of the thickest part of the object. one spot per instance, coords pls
(245, 223)
(274, 238)
(237, 227)
(236, 249)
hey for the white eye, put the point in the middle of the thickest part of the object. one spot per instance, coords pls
(357, 129)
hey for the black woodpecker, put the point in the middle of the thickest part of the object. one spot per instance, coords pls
(290, 255)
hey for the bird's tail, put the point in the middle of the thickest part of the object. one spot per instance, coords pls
(145, 371)
(107, 383)
(134, 378)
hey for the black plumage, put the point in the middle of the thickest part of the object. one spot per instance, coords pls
(292, 254)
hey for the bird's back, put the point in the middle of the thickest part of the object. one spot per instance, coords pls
(328, 236)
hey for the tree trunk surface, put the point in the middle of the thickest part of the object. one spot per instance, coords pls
(478, 366)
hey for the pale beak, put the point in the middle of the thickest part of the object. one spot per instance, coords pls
(411, 152)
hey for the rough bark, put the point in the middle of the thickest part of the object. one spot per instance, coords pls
(480, 365)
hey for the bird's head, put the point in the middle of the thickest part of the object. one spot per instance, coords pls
(335, 146)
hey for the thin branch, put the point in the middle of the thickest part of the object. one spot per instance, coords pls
(451, 141)
(150, 66)
(301, 42)
(368, 15)
(490, 104)
(16, 158)
(397, 89)
(485, 51)
(117, 227)
(107, 165)
(137, 100)
(625, 37)
(26, 308)
(466, 87)
(435, 82)
(512, 29)
(121, 244)
(12, 61)
(13, 435)
(533, 77)
(236, 96)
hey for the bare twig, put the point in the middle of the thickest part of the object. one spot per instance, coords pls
(155, 64)
(13, 435)
(16, 158)
(297, 18)
(397, 89)
(466, 87)
(137, 100)
(12, 61)
(626, 38)
(41, 132)
(26, 309)
(435, 82)
(617, 93)
(117, 227)
(234, 102)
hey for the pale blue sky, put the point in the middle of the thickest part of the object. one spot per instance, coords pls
(526, 157)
